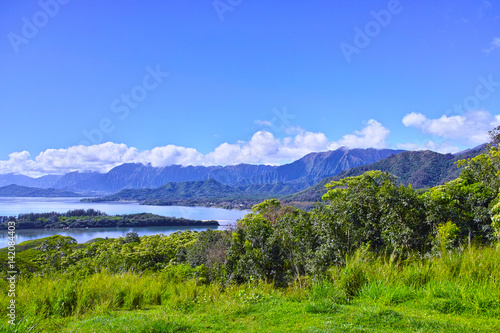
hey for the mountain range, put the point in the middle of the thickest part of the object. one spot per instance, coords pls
(300, 174)
(420, 168)
(300, 181)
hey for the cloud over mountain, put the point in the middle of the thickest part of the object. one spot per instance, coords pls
(470, 128)
(262, 148)
(373, 135)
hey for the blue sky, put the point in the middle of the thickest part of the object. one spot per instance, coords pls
(87, 85)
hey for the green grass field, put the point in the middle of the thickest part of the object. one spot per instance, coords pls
(457, 292)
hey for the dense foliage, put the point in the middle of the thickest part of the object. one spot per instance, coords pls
(91, 218)
(282, 245)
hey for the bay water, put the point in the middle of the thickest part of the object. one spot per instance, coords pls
(14, 206)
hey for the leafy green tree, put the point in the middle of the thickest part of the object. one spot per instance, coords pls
(471, 197)
(296, 242)
(353, 203)
(462, 202)
(252, 255)
(371, 208)
(262, 247)
(402, 220)
(131, 237)
(484, 168)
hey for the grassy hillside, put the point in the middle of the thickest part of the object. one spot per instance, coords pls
(455, 293)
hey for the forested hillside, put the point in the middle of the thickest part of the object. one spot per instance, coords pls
(421, 169)
(23, 191)
(202, 193)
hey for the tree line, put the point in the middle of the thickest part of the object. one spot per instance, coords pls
(90, 218)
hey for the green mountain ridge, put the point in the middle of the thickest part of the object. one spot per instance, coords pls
(421, 169)
(208, 189)
(24, 191)
(199, 190)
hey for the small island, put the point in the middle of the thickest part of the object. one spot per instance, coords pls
(90, 218)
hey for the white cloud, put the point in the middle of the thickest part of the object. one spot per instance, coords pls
(495, 44)
(262, 148)
(414, 119)
(471, 128)
(18, 162)
(168, 155)
(97, 157)
(373, 135)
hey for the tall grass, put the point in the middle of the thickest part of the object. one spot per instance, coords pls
(61, 296)
(461, 282)
(465, 281)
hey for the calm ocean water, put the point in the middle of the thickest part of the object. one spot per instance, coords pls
(15, 206)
